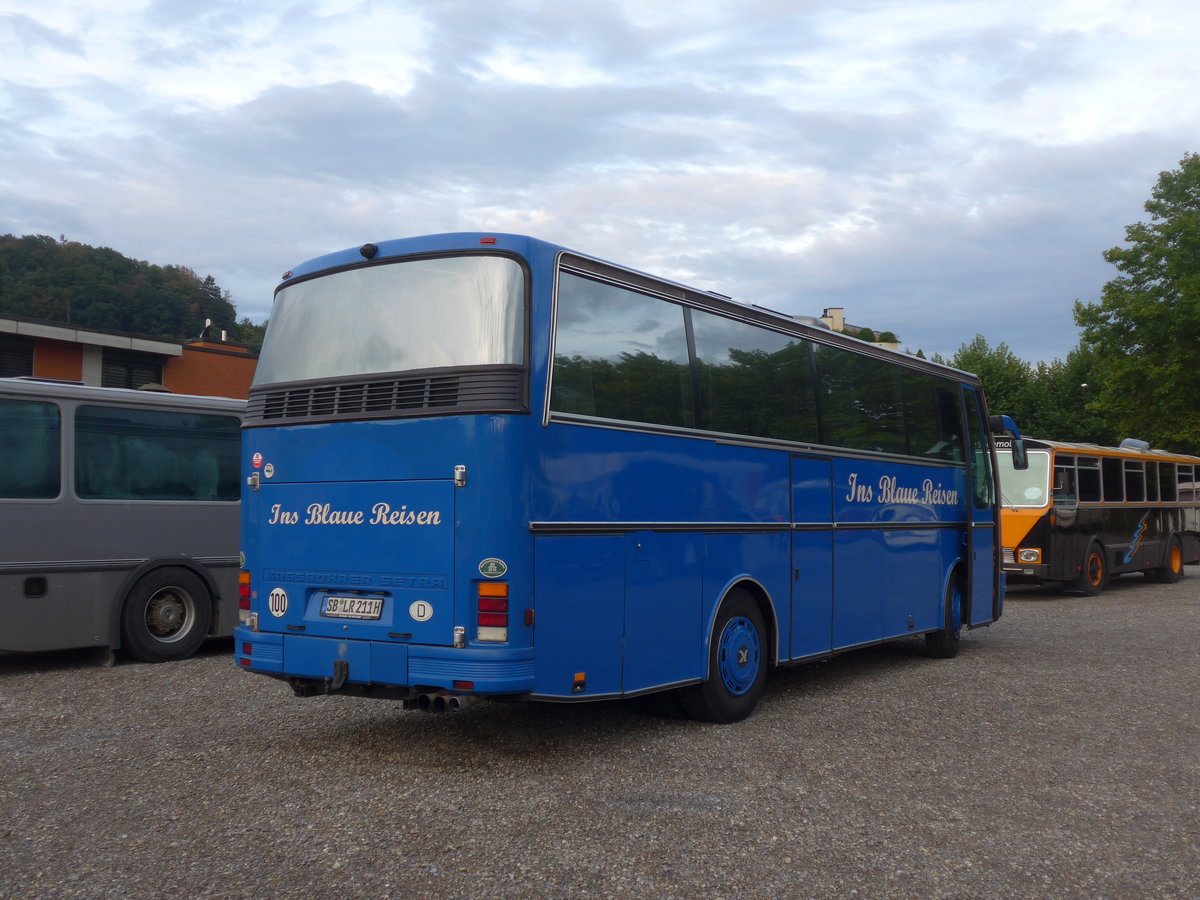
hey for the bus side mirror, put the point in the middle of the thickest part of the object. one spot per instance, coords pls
(1005, 425)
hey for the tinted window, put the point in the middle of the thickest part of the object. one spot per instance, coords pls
(619, 354)
(1089, 479)
(753, 381)
(29, 449)
(1112, 471)
(1135, 481)
(1166, 479)
(860, 401)
(981, 457)
(133, 454)
(931, 413)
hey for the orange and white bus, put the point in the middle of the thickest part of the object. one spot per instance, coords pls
(1081, 513)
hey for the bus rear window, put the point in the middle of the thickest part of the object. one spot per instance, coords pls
(397, 317)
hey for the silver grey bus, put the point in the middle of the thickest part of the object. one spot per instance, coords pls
(119, 515)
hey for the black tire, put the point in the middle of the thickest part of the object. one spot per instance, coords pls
(944, 643)
(1171, 569)
(737, 664)
(166, 615)
(1093, 578)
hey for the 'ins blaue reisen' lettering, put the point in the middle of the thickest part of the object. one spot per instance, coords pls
(381, 514)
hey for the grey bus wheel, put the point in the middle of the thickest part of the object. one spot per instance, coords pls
(165, 616)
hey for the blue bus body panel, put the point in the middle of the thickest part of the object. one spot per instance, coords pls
(899, 529)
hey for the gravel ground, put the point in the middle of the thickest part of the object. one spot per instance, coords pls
(1057, 756)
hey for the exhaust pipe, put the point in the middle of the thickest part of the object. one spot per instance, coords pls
(441, 702)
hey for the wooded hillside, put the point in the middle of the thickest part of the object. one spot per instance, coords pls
(94, 287)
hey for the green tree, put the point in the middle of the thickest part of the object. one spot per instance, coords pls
(1145, 331)
(1006, 379)
(1057, 404)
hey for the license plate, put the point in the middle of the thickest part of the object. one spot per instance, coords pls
(353, 607)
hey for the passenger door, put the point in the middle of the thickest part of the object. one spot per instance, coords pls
(982, 545)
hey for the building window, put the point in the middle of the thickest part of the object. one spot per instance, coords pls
(16, 356)
(130, 370)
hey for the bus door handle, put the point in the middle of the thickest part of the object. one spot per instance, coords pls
(252, 481)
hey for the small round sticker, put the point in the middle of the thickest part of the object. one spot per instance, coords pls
(256, 460)
(277, 602)
(269, 470)
(492, 567)
(421, 611)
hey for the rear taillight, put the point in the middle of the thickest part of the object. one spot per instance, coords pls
(492, 600)
(244, 597)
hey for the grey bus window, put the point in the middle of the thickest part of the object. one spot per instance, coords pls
(1166, 482)
(1152, 482)
(859, 401)
(1135, 481)
(1186, 480)
(932, 416)
(137, 454)
(29, 450)
(753, 381)
(1089, 480)
(619, 354)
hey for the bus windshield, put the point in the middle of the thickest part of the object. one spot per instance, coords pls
(421, 314)
(1025, 487)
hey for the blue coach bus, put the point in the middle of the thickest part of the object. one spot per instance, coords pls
(481, 465)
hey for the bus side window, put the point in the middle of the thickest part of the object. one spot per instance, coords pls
(1113, 472)
(1167, 483)
(29, 450)
(1089, 479)
(1065, 490)
(1135, 481)
(1187, 484)
(1152, 482)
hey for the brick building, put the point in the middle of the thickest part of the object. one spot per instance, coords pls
(116, 359)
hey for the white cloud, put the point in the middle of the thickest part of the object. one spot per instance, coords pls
(938, 168)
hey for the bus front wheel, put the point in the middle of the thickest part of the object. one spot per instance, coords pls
(1172, 567)
(166, 616)
(1094, 577)
(943, 643)
(737, 667)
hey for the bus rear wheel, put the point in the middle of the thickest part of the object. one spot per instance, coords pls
(1094, 577)
(166, 616)
(1172, 567)
(737, 669)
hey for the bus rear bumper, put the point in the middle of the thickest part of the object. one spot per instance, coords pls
(329, 665)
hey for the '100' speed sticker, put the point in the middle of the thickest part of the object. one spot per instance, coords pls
(277, 602)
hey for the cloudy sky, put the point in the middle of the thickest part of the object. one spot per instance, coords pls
(940, 168)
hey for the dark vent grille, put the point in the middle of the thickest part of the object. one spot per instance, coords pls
(492, 390)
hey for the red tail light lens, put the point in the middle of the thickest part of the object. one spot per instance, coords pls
(243, 590)
(491, 598)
